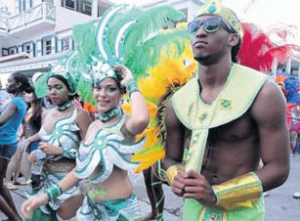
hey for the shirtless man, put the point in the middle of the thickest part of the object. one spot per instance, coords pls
(234, 116)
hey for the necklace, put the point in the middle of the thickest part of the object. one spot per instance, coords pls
(107, 116)
(65, 106)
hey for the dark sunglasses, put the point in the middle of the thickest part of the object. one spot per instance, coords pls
(210, 25)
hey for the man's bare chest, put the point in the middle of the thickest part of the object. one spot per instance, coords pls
(237, 130)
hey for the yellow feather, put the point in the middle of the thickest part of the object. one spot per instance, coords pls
(168, 72)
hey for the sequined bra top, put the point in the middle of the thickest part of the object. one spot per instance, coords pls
(107, 149)
(65, 134)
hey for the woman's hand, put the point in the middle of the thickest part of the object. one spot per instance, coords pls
(30, 205)
(125, 73)
(31, 157)
(24, 144)
(50, 149)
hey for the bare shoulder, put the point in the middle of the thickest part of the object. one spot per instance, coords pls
(93, 125)
(269, 105)
(82, 114)
(47, 113)
(170, 116)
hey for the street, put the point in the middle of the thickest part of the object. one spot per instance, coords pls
(280, 205)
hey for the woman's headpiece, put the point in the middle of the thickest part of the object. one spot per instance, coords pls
(63, 69)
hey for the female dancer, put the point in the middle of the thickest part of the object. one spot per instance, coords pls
(64, 126)
(104, 156)
(10, 120)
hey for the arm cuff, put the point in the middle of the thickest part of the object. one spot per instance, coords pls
(171, 173)
(240, 192)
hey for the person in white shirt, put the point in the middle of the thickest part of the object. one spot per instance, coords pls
(4, 97)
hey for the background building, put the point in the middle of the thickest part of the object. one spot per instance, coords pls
(34, 34)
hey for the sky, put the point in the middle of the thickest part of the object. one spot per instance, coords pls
(271, 14)
(267, 14)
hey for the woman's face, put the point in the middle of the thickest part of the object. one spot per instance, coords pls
(107, 94)
(12, 85)
(57, 91)
(29, 97)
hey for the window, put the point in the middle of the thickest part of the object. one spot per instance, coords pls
(65, 44)
(12, 51)
(28, 48)
(86, 8)
(4, 52)
(49, 1)
(47, 46)
(22, 5)
(70, 4)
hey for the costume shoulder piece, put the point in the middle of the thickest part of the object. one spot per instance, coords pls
(228, 106)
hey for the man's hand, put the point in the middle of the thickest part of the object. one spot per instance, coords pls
(178, 183)
(197, 187)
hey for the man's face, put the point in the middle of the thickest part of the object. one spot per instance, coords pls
(210, 38)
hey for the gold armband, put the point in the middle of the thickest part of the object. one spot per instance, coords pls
(172, 172)
(240, 192)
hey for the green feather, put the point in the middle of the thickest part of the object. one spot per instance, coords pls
(149, 54)
(148, 151)
(84, 36)
(85, 90)
(41, 85)
(149, 24)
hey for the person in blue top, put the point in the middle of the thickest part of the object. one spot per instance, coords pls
(10, 120)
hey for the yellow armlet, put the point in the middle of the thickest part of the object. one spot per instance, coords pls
(172, 172)
(240, 192)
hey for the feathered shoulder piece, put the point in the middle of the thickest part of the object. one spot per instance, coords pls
(166, 77)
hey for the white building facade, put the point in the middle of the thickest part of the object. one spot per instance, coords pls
(34, 34)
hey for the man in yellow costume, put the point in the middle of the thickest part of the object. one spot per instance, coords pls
(220, 124)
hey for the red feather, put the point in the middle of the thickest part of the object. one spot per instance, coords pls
(258, 52)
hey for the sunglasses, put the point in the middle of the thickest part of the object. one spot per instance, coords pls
(210, 25)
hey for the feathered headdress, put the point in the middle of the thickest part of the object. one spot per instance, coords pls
(125, 35)
(145, 41)
(258, 52)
